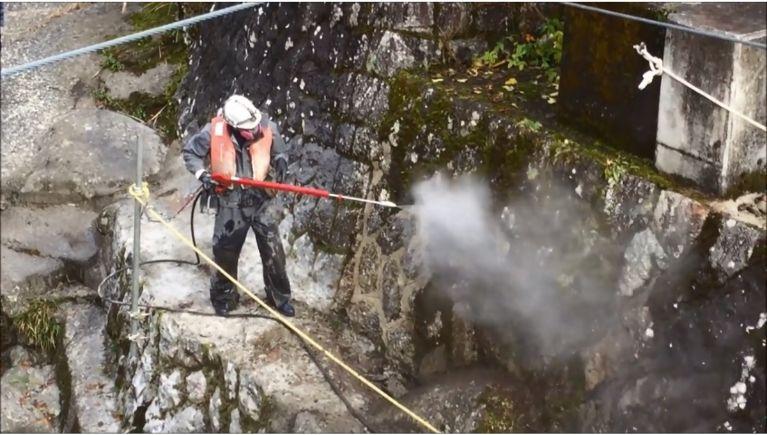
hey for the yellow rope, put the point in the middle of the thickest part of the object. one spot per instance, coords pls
(141, 194)
(142, 197)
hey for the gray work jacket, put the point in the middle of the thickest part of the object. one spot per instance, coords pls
(197, 150)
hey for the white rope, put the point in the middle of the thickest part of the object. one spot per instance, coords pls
(136, 337)
(138, 314)
(657, 69)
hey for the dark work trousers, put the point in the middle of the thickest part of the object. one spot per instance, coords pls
(229, 233)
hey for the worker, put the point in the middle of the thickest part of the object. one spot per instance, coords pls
(241, 141)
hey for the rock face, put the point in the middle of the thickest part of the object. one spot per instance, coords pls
(633, 273)
(30, 399)
(64, 232)
(34, 101)
(122, 84)
(66, 172)
(25, 276)
(358, 124)
(195, 374)
(40, 247)
(94, 395)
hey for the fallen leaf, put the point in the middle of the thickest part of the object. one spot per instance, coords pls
(551, 100)
(437, 80)
(508, 88)
(477, 91)
(510, 81)
(461, 80)
(472, 72)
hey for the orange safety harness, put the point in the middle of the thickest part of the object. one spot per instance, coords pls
(223, 156)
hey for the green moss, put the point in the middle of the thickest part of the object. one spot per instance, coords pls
(504, 413)
(140, 56)
(615, 163)
(755, 181)
(419, 112)
(264, 417)
(39, 325)
(158, 111)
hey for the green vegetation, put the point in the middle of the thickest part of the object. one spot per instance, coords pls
(39, 325)
(528, 125)
(421, 108)
(141, 55)
(111, 63)
(542, 51)
(160, 112)
(503, 414)
(615, 164)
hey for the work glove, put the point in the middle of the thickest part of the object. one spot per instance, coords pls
(207, 182)
(280, 170)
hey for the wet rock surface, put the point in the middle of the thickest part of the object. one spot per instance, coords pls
(636, 234)
(673, 315)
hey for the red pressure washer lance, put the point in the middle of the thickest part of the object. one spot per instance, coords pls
(226, 181)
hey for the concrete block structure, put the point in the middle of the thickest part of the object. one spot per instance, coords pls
(696, 139)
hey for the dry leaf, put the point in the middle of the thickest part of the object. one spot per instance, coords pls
(437, 80)
(461, 80)
(510, 81)
(551, 100)
(508, 88)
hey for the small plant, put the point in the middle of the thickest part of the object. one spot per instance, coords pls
(102, 97)
(529, 125)
(111, 63)
(613, 172)
(490, 58)
(39, 325)
(139, 112)
(543, 51)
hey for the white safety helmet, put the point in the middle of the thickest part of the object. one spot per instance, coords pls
(239, 112)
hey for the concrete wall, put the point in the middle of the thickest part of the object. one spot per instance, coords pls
(696, 139)
(599, 76)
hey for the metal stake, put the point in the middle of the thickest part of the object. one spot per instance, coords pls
(136, 249)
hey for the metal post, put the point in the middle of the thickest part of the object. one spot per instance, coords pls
(136, 249)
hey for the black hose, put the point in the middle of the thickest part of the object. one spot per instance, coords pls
(191, 225)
